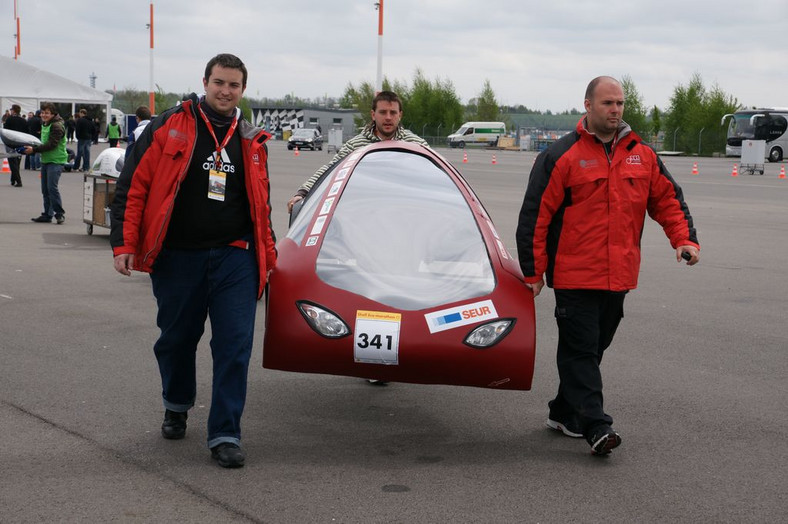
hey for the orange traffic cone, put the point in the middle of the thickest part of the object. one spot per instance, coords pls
(695, 168)
(6, 167)
(296, 153)
(782, 172)
(494, 161)
(465, 158)
(735, 171)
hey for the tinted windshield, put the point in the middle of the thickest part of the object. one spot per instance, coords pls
(739, 126)
(403, 235)
(767, 126)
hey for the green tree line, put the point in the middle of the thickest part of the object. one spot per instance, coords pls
(432, 108)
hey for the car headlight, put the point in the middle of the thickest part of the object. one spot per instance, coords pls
(323, 321)
(489, 334)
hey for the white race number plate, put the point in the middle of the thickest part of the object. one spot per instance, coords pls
(376, 338)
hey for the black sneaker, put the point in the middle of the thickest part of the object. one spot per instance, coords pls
(568, 426)
(174, 425)
(603, 440)
(60, 218)
(228, 455)
(376, 382)
(42, 218)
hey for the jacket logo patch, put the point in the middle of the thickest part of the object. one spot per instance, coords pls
(633, 160)
(177, 135)
(589, 163)
(256, 158)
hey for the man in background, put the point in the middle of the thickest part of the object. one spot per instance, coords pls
(142, 115)
(53, 157)
(84, 134)
(15, 122)
(113, 132)
(386, 115)
(34, 126)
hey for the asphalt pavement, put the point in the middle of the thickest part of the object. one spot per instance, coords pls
(696, 380)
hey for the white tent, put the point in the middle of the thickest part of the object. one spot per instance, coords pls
(28, 86)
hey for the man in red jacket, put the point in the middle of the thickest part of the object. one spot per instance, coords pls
(580, 227)
(192, 209)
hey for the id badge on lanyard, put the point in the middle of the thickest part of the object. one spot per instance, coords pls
(217, 178)
(217, 185)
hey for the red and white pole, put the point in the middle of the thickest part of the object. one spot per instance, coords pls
(151, 96)
(18, 46)
(379, 83)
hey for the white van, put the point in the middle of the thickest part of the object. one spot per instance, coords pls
(477, 133)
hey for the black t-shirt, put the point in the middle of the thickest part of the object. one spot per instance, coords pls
(199, 222)
(16, 123)
(84, 128)
(34, 125)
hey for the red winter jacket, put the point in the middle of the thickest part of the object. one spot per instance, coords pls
(147, 187)
(583, 213)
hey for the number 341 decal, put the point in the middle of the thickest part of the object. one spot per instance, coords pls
(376, 339)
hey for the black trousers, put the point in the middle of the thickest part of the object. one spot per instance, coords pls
(587, 321)
(13, 165)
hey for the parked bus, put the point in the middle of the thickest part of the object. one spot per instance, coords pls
(768, 123)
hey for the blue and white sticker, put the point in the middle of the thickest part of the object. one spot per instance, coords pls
(334, 189)
(318, 227)
(460, 316)
(326, 208)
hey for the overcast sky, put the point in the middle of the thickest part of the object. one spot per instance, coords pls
(539, 54)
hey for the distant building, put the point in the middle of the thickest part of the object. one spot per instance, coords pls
(281, 121)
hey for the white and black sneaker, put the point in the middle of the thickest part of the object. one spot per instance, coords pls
(569, 427)
(603, 440)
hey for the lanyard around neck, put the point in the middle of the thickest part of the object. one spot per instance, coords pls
(219, 147)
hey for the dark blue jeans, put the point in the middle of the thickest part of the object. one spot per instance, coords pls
(83, 153)
(190, 286)
(587, 321)
(50, 177)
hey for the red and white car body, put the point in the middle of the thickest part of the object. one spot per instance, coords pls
(393, 270)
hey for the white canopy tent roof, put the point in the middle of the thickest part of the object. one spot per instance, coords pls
(28, 86)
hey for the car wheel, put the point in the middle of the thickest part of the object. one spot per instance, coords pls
(776, 154)
(461, 144)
